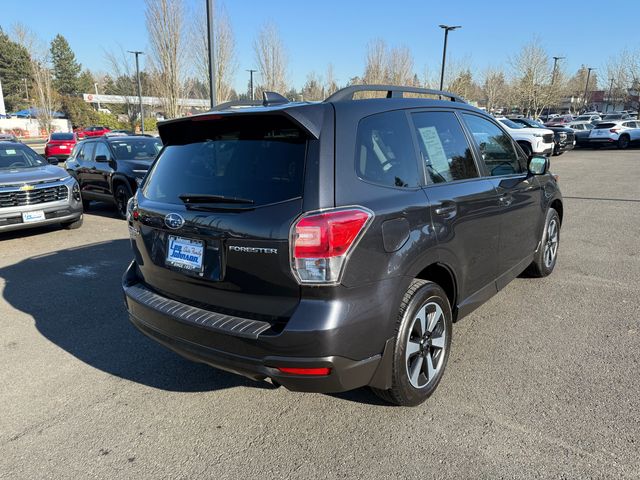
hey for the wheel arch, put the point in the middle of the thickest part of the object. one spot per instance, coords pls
(443, 276)
(122, 180)
(558, 207)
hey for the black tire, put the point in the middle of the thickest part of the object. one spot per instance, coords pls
(403, 392)
(623, 142)
(526, 148)
(541, 267)
(121, 196)
(74, 224)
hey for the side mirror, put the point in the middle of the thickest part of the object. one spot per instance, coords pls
(101, 159)
(52, 161)
(538, 165)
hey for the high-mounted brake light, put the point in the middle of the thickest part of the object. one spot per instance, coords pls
(320, 243)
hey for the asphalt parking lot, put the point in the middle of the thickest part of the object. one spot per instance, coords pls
(543, 380)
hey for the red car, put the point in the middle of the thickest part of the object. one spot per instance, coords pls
(60, 145)
(95, 131)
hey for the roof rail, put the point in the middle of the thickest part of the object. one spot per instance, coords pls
(393, 91)
(268, 99)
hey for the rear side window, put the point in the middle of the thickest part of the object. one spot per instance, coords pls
(258, 160)
(384, 151)
(496, 147)
(443, 147)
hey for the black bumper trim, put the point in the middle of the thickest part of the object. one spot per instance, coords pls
(217, 322)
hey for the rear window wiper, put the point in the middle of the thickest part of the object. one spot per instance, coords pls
(200, 198)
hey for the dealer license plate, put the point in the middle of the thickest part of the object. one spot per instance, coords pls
(35, 216)
(185, 253)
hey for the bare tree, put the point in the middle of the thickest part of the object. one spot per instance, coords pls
(399, 66)
(123, 72)
(494, 88)
(313, 88)
(375, 71)
(225, 52)
(271, 58)
(165, 21)
(532, 78)
(330, 82)
(46, 98)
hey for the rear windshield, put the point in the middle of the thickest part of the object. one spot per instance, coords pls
(261, 161)
(136, 149)
(613, 116)
(62, 136)
(605, 125)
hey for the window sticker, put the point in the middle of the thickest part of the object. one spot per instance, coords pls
(435, 150)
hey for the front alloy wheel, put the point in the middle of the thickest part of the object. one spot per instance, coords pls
(122, 196)
(551, 244)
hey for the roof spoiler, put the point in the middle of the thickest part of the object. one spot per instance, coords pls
(269, 99)
(393, 91)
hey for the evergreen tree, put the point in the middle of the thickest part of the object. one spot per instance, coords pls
(15, 68)
(86, 82)
(66, 69)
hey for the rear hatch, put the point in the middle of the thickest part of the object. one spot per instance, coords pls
(602, 129)
(214, 214)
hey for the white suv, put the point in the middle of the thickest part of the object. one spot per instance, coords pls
(538, 141)
(622, 133)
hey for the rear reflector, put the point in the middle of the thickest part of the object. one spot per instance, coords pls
(306, 371)
(321, 242)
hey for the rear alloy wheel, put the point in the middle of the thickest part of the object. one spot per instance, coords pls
(423, 339)
(623, 142)
(122, 196)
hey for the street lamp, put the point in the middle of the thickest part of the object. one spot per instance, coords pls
(137, 53)
(95, 85)
(589, 69)
(251, 72)
(212, 55)
(553, 77)
(610, 92)
(446, 29)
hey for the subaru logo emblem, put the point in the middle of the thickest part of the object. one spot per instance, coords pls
(174, 221)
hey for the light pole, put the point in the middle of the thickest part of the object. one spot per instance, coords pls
(95, 85)
(26, 89)
(251, 72)
(589, 69)
(610, 92)
(212, 55)
(553, 77)
(446, 29)
(138, 53)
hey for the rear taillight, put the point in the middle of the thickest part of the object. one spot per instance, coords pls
(614, 130)
(320, 243)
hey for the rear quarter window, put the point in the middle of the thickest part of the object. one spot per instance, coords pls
(385, 154)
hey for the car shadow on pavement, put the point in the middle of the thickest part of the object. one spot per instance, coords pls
(75, 298)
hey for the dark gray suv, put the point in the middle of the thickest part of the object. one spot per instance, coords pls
(330, 246)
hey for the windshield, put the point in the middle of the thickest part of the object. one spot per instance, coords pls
(511, 124)
(612, 116)
(261, 163)
(18, 156)
(136, 148)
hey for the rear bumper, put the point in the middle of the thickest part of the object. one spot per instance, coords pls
(325, 334)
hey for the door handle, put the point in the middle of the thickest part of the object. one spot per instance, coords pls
(505, 199)
(446, 210)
